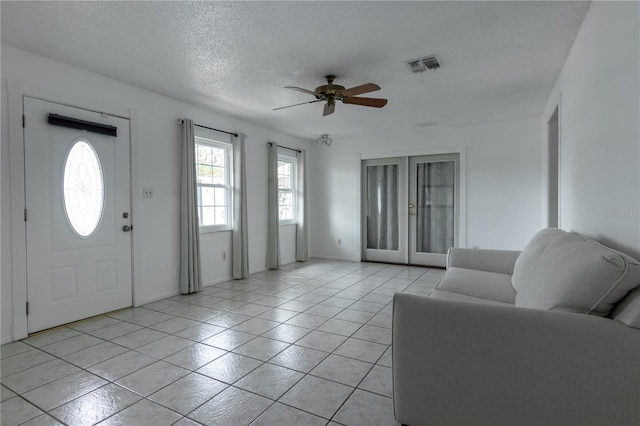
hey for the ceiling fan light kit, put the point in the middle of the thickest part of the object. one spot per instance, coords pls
(324, 139)
(330, 93)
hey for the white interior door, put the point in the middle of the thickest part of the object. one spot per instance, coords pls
(384, 214)
(434, 194)
(77, 191)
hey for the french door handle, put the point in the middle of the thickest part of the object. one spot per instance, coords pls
(127, 228)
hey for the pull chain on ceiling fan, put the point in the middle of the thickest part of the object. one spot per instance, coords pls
(330, 93)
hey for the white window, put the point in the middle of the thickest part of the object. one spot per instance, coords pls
(214, 168)
(287, 189)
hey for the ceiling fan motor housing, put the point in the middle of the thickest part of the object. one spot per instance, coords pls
(329, 90)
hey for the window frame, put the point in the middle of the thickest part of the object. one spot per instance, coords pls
(293, 190)
(228, 185)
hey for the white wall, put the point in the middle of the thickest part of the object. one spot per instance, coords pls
(288, 249)
(156, 221)
(503, 178)
(599, 94)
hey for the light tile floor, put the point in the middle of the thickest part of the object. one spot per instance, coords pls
(306, 345)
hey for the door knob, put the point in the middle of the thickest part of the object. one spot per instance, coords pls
(411, 206)
(127, 228)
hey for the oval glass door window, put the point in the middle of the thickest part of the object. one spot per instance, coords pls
(83, 185)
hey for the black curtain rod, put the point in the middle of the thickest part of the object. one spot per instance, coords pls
(211, 128)
(217, 130)
(89, 126)
(285, 147)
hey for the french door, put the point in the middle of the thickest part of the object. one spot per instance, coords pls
(433, 208)
(78, 194)
(384, 193)
(410, 209)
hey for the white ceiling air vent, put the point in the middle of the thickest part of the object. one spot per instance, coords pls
(415, 65)
(423, 64)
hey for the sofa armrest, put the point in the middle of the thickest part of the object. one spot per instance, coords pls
(500, 261)
(469, 363)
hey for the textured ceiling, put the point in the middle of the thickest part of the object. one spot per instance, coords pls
(498, 59)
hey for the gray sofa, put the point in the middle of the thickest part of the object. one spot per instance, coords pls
(546, 336)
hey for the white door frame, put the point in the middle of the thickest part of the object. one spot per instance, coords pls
(555, 103)
(462, 150)
(17, 90)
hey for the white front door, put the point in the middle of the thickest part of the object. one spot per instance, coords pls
(77, 191)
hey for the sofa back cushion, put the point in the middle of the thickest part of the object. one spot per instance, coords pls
(574, 274)
(529, 255)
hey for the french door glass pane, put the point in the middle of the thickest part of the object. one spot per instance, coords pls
(382, 206)
(435, 206)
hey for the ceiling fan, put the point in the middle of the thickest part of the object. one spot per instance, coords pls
(334, 92)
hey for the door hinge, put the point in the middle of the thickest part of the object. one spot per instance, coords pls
(25, 215)
(27, 308)
(24, 121)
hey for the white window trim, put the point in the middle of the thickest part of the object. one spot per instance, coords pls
(294, 189)
(205, 229)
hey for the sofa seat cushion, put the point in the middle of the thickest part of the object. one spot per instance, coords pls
(575, 274)
(457, 297)
(479, 284)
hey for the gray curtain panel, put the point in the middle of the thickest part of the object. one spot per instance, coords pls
(435, 207)
(301, 226)
(273, 225)
(240, 255)
(382, 207)
(190, 277)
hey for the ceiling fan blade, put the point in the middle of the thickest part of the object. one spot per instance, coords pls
(300, 89)
(358, 90)
(370, 102)
(329, 108)
(302, 103)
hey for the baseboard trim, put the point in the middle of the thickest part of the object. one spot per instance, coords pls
(346, 259)
(156, 298)
(218, 281)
